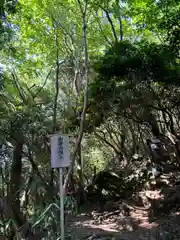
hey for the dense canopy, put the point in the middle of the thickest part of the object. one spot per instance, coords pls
(105, 72)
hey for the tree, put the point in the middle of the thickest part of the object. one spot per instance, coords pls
(6, 7)
(122, 56)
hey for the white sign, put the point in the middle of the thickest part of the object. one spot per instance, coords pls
(60, 156)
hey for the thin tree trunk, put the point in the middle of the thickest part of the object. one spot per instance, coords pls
(111, 23)
(54, 127)
(56, 87)
(118, 3)
(154, 126)
(81, 193)
(82, 120)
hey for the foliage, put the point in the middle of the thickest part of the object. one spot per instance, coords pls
(6, 30)
(154, 62)
(133, 72)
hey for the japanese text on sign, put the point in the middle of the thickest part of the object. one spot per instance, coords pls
(59, 151)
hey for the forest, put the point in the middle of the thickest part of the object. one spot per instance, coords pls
(107, 73)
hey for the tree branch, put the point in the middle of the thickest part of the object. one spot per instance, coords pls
(35, 168)
(44, 84)
(111, 23)
(118, 2)
(101, 29)
(106, 141)
(19, 88)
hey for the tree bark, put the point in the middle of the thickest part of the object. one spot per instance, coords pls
(15, 181)
(81, 193)
(12, 209)
(118, 3)
(54, 127)
(111, 23)
(86, 78)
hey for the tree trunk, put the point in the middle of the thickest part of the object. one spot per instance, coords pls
(154, 126)
(81, 193)
(13, 199)
(15, 182)
(118, 5)
(86, 79)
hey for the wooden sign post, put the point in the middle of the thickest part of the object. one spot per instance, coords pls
(60, 158)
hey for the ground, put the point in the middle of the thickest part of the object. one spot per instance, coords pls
(113, 224)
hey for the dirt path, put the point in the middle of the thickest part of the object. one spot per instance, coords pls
(109, 224)
(114, 225)
(119, 227)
